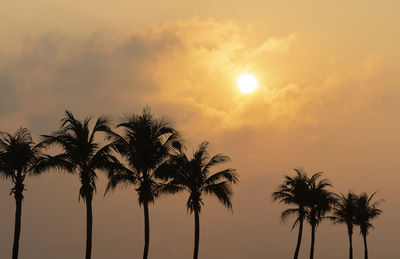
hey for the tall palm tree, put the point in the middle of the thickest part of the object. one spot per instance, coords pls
(18, 156)
(194, 176)
(365, 211)
(344, 212)
(320, 202)
(293, 191)
(146, 143)
(81, 155)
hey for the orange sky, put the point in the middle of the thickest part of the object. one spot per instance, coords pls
(328, 100)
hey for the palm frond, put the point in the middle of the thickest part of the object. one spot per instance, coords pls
(121, 179)
(228, 174)
(168, 169)
(287, 213)
(215, 160)
(169, 188)
(58, 162)
(222, 191)
(102, 125)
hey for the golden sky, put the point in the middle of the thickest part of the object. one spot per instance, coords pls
(329, 100)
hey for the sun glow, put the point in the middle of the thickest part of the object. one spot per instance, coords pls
(247, 83)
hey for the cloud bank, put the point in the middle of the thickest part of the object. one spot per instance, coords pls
(187, 68)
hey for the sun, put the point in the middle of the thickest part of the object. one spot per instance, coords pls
(247, 83)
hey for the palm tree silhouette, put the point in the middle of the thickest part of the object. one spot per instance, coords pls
(146, 143)
(194, 176)
(293, 191)
(83, 156)
(18, 156)
(365, 211)
(344, 212)
(320, 202)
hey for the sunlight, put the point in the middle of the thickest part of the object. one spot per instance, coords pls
(247, 83)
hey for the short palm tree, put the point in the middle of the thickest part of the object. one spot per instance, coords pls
(18, 156)
(81, 155)
(320, 202)
(365, 211)
(344, 212)
(293, 192)
(146, 143)
(194, 176)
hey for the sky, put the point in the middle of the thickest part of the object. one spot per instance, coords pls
(328, 101)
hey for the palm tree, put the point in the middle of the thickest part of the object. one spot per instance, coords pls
(81, 155)
(344, 212)
(365, 211)
(194, 176)
(293, 191)
(320, 202)
(146, 143)
(18, 156)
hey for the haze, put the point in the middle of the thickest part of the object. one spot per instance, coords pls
(329, 100)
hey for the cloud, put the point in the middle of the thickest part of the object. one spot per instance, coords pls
(185, 69)
(178, 62)
(275, 44)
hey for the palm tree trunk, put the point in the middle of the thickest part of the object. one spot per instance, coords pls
(350, 233)
(17, 226)
(89, 225)
(146, 230)
(312, 241)
(365, 246)
(196, 234)
(296, 252)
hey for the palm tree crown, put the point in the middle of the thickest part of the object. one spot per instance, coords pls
(193, 175)
(18, 154)
(146, 143)
(293, 191)
(345, 209)
(81, 154)
(365, 211)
